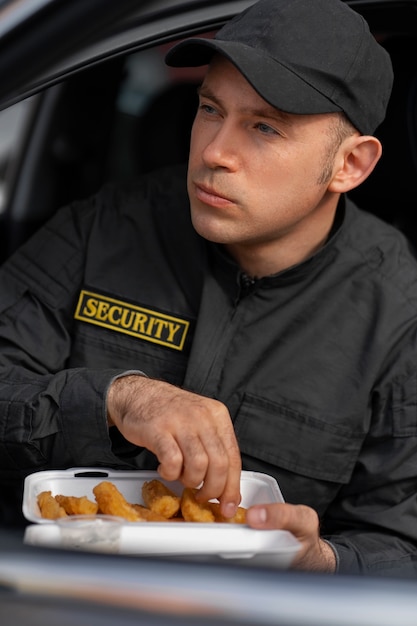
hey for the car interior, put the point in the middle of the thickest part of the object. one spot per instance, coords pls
(131, 114)
(110, 123)
(390, 191)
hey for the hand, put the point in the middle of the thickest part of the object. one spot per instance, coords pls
(191, 435)
(302, 521)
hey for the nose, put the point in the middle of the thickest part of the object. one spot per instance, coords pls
(222, 148)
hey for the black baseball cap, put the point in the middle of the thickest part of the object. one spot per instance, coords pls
(303, 56)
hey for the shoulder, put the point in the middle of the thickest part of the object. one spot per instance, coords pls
(370, 236)
(380, 251)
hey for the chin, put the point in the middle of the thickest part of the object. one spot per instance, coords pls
(209, 229)
(215, 235)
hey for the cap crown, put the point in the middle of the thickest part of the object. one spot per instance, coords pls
(304, 56)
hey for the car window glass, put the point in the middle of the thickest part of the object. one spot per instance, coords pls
(154, 109)
(12, 123)
(111, 122)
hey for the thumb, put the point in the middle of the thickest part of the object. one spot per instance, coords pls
(263, 516)
(297, 518)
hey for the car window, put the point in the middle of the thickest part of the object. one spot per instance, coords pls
(111, 122)
(12, 122)
(154, 109)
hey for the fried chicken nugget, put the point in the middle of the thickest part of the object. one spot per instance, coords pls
(111, 502)
(148, 515)
(74, 505)
(193, 511)
(49, 507)
(238, 518)
(160, 499)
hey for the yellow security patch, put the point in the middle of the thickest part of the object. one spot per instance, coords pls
(130, 319)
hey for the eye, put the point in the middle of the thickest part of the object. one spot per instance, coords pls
(266, 129)
(207, 108)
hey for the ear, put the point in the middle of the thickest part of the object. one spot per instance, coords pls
(354, 162)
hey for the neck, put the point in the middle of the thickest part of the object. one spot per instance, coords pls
(289, 249)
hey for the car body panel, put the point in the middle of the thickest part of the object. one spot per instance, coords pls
(119, 28)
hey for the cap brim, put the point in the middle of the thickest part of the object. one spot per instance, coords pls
(274, 82)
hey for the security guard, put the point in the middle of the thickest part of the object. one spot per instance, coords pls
(242, 312)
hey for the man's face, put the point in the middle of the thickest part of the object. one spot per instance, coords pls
(255, 175)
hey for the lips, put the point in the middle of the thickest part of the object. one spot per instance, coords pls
(209, 195)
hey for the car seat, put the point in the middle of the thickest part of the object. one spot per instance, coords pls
(391, 190)
(162, 134)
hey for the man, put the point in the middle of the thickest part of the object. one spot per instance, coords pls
(275, 330)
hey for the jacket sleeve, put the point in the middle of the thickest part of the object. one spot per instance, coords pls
(372, 521)
(50, 416)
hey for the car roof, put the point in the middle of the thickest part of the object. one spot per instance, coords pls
(44, 41)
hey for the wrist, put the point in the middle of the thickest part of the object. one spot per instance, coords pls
(119, 388)
(328, 556)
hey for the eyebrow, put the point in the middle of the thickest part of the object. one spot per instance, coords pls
(265, 111)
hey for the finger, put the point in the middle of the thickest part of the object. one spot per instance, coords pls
(195, 464)
(231, 496)
(303, 522)
(214, 480)
(264, 518)
(169, 455)
(196, 461)
(223, 476)
(300, 520)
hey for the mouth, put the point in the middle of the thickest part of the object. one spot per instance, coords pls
(209, 195)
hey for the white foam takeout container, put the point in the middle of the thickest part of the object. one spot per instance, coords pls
(234, 541)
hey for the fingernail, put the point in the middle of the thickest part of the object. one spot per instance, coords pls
(230, 509)
(257, 515)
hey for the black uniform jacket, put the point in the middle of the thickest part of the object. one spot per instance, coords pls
(317, 364)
